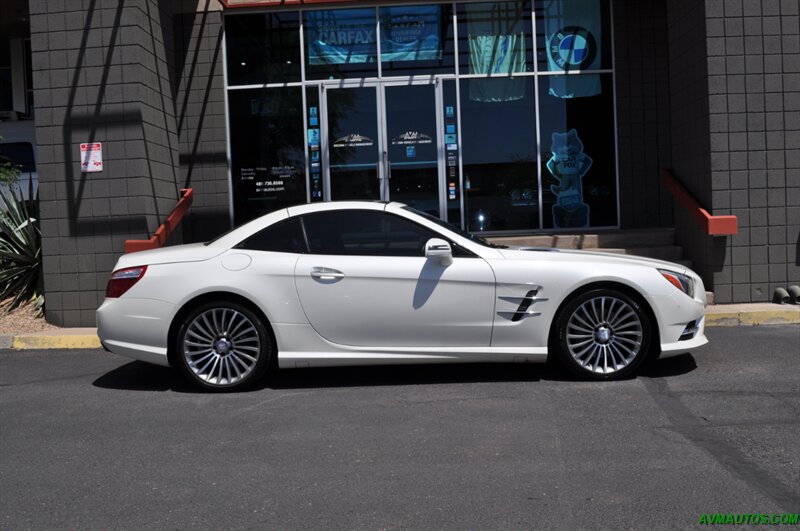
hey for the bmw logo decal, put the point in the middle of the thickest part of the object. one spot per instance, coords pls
(573, 48)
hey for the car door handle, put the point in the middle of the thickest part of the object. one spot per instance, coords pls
(326, 273)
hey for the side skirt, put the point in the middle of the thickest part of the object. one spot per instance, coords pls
(290, 360)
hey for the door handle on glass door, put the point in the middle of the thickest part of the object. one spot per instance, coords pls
(325, 273)
(387, 164)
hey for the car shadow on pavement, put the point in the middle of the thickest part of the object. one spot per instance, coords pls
(666, 368)
(140, 376)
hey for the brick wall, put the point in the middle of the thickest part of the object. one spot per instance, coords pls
(643, 111)
(754, 95)
(736, 138)
(98, 69)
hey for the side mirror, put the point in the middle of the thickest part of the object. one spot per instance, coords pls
(439, 249)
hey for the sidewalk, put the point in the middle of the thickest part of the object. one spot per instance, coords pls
(759, 313)
(716, 315)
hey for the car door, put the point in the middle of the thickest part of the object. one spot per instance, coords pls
(366, 282)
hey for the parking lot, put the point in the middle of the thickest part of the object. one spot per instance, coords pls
(92, 440)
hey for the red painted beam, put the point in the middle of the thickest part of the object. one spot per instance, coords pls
(711, 225)
(164, 231)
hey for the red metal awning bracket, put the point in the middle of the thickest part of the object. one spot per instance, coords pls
(164, 231)
(712, 225)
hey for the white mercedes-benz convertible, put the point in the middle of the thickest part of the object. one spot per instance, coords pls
(359, 283)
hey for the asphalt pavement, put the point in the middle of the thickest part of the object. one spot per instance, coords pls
(90, 440)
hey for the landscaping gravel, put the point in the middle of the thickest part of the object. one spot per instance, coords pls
(22, 320)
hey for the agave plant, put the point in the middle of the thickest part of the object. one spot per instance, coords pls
(20, 248)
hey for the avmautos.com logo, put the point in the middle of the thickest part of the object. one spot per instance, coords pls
(573, 48)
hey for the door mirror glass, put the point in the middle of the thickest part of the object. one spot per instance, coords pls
(440, 250)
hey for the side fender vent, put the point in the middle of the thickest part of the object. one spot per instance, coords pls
(525, 305)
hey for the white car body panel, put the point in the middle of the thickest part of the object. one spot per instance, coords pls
(386, 310)
(398, 301)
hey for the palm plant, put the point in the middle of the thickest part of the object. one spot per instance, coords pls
(20, 248)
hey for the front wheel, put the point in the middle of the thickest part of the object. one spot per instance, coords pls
(223, 346)
(602, 334)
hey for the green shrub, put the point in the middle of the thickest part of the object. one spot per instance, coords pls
(20, 248)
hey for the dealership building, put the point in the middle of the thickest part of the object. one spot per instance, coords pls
(609, 120)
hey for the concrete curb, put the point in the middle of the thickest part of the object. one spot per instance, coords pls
(54, 342)
(716, 315)
(753, 318)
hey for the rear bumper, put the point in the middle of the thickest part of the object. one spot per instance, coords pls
(136, 328)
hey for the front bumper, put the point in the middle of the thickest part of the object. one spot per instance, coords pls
(677, 315)
(677, 348)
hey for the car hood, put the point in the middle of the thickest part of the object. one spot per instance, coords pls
(528, 253)
(192, 252)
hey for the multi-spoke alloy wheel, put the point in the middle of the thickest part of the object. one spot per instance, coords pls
(603, 334)
(223, 346)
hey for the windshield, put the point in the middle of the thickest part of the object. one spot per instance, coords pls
(452, 228)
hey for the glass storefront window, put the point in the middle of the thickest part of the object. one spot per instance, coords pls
(573, 35)
(267, 150)
(495, 38)
(386, 109)
(263, 48)
(578, 157)
(498, 150)
(417, 40)
(340, 43)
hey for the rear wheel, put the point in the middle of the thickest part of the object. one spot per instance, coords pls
(603, 334)
(223, 346)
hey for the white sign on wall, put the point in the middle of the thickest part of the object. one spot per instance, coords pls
(91, 157)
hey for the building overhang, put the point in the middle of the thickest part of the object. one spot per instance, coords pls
(234, 4)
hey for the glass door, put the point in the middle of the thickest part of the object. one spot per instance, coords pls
(412, 146)
(353, 140)
(382, 142)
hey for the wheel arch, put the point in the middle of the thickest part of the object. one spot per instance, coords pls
(627, 289)
(214, 296)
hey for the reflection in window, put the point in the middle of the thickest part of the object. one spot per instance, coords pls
(267, 150)
(498, 41)
(498, 149)
(578, 162)
(340, 43)
(417, 40)
(263, 48)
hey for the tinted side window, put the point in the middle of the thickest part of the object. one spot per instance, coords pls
(283, 237)
(365, 232)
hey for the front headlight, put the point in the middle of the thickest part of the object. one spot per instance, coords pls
(682, 282)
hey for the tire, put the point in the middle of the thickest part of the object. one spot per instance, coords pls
(223, 346)
(603, 334)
